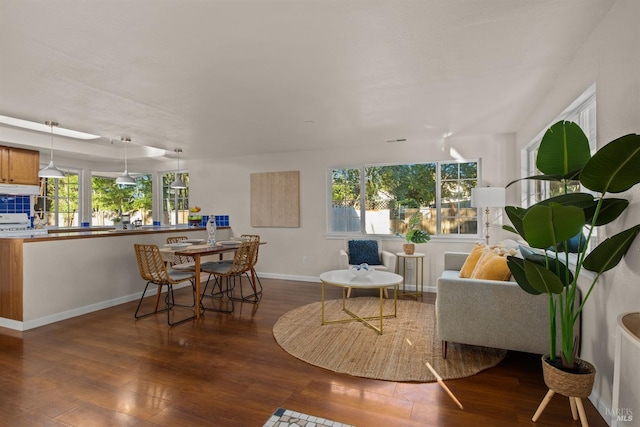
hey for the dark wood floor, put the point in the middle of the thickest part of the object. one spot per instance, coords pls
(106, 369)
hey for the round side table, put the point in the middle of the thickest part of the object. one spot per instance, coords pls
(418, 265)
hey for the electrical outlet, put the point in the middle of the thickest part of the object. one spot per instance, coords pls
(305, 259)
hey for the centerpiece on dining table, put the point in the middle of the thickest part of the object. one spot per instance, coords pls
(194, 218)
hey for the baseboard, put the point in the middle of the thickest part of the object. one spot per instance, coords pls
(601, 407)
(35, 323)
(64, 315)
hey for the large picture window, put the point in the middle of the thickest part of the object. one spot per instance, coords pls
(109, 200)
(378, 199)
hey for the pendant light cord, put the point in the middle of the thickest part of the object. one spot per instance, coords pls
(51, 124)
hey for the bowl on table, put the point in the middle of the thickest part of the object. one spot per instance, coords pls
(361, 270)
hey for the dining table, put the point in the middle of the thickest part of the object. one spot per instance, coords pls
(197, 251)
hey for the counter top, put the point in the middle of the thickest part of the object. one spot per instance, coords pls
(84, 233)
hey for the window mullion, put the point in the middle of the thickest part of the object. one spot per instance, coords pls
(363, 200)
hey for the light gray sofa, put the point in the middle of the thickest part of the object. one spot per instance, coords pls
(489, 313)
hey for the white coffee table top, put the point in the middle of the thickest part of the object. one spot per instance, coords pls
(376, 279)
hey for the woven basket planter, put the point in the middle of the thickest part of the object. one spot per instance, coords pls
(409, 248)
(570, 384)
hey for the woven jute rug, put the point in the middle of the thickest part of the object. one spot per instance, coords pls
(409, 341)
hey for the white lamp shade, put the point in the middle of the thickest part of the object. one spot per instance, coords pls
(50, 172)
(178, 184)
(488, 197)
(125, 179)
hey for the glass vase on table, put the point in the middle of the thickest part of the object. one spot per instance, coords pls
(211, 231)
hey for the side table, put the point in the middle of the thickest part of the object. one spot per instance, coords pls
(419, 272)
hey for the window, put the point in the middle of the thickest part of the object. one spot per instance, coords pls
(175, 202)
(110, 200)
(583, 112)
(57, 204)
(375, 199)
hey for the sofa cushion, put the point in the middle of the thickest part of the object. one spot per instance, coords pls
(363, 251)
(472, 260)
(491, 266)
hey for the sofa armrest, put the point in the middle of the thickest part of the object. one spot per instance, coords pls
(454, 260)
(492, 314)
(343, 259)
(389, 260)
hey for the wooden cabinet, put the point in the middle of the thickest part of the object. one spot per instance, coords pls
(19, 166)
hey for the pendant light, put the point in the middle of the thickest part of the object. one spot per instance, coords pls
(125, 178)
(51, 171)
(178, 183)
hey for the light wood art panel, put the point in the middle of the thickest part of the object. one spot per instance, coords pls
(275, 199)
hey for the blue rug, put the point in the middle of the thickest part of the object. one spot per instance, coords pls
(286, 418)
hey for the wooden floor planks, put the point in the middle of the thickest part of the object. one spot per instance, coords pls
(105, 368)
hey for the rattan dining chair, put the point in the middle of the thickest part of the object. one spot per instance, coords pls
(254, 280)
(180, 262)
(154, 270)
(226, 274)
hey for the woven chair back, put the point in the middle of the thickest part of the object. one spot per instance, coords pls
(151, 265)
(179, 259)
(253, 238)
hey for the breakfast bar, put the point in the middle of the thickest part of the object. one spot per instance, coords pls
(56, 276)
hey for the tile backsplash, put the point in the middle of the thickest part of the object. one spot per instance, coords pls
(11, 203)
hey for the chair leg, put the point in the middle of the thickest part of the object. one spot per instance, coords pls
(171, 302)
(253, 298)
(228, 292)
(142, 298)
(444, 349)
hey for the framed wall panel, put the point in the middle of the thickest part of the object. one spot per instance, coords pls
(275, 199)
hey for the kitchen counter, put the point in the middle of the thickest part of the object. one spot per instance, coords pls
(82, 233)
(67, 273)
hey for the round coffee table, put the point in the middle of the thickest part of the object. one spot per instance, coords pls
(344, 279)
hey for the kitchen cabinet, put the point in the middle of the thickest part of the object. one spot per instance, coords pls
(19, 166)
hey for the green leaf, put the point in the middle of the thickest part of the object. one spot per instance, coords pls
(609, 211)
(419, 236)
(516, 214)
(614, 167)
(542, 279)
(564, 148)
(516, 265)
(609, 253)
(546, 226)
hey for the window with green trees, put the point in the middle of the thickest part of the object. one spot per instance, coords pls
(378, 199)
(110, 200)
(58, 201)
(175, 201)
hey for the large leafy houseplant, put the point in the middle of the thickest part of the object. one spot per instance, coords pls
(554, 224)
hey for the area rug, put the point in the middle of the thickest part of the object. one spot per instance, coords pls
(284, 417)
(401, 353)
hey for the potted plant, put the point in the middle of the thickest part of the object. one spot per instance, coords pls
(555, 226)
(414, 234)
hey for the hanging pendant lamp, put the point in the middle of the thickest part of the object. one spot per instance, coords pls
(125, 178)
(51, 171)
(178, 183)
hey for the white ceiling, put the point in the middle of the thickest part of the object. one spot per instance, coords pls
(227, 78)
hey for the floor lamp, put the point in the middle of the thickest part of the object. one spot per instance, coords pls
(487, 197)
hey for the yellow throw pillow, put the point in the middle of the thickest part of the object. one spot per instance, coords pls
(471, 261)
(491, 266)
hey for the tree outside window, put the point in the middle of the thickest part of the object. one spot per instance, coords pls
(392, 193)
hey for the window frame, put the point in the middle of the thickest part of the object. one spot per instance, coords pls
(362, 199)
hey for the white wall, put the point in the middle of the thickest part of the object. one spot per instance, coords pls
(611, 59)
(223, 186)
